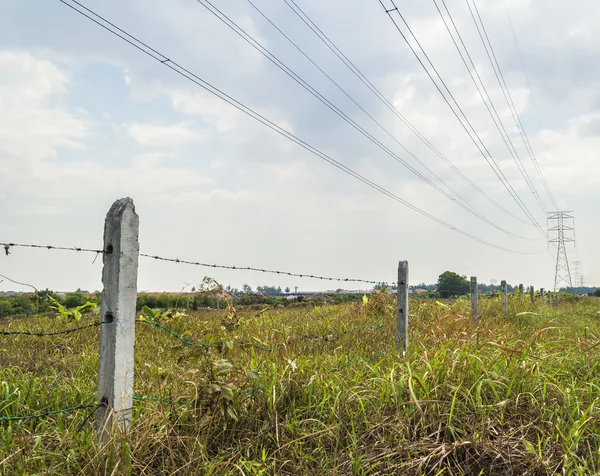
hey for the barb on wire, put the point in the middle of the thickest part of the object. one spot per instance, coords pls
(53, 412)
(46, 334)
(260, 270)
(8, 246)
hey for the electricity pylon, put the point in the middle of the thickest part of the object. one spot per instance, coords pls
(578, 273)
(564, 227)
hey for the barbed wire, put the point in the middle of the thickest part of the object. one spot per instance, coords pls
(53, 412)
(6, 332)
(261, 270)
(325, 338)
(7, 247)
(207, 345)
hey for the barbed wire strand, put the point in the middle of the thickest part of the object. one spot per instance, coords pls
(206, 345)
(260, 270)
(7, 246)
(52, 412)
(5, 332)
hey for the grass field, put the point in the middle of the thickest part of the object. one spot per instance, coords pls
(290, 392)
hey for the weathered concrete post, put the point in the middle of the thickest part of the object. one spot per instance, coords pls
(474, 299)
(521, 292)
(402, 314)
(117, 334)
(549, 297)
(504, 299)
(542, 294)
(532, 294)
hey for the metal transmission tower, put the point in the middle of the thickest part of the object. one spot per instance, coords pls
(578, 273)
(563, 224)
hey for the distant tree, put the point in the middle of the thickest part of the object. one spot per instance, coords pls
(452, 284)
(246, 289)
(287, 289)
(194, 289)
(597, 292)
(75, 299)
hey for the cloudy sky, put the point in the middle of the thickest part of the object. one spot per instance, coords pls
(86, 119)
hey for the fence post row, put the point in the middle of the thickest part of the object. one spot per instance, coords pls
(118, 305)
(474, 299)
(402, 314)
(504, 298)
(532, 294)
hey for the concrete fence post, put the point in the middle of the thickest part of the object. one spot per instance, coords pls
(542, 294)
(532, 294)
(117, 311)
(504, 298)
(402, 314)
(549, 297)
(474, 300)
(521, 292)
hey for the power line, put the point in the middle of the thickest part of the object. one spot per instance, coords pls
(277, 62)
(512, 107)
(472, 133)
(493, 112)
(303, 16)
(512, 30)
(164, 60)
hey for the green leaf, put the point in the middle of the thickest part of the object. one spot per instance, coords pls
(149, 313)
(529, 447)
(76, 314)
(231, 412)
(227, 393)
(252, 374)
(222, 366)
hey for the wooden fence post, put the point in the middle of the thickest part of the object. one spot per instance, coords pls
(504, 298)
(474, 300)
(532, 294)
(521, 291)
(117, 311)
(402, 314)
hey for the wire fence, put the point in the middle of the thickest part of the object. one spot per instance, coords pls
(443, 291)
(194, 404)
(9, 245)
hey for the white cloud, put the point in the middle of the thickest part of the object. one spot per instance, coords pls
(203, 104)
(251, 197)
(32, 125)
(161, 134)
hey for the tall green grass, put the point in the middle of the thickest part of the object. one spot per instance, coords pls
(516, 396)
